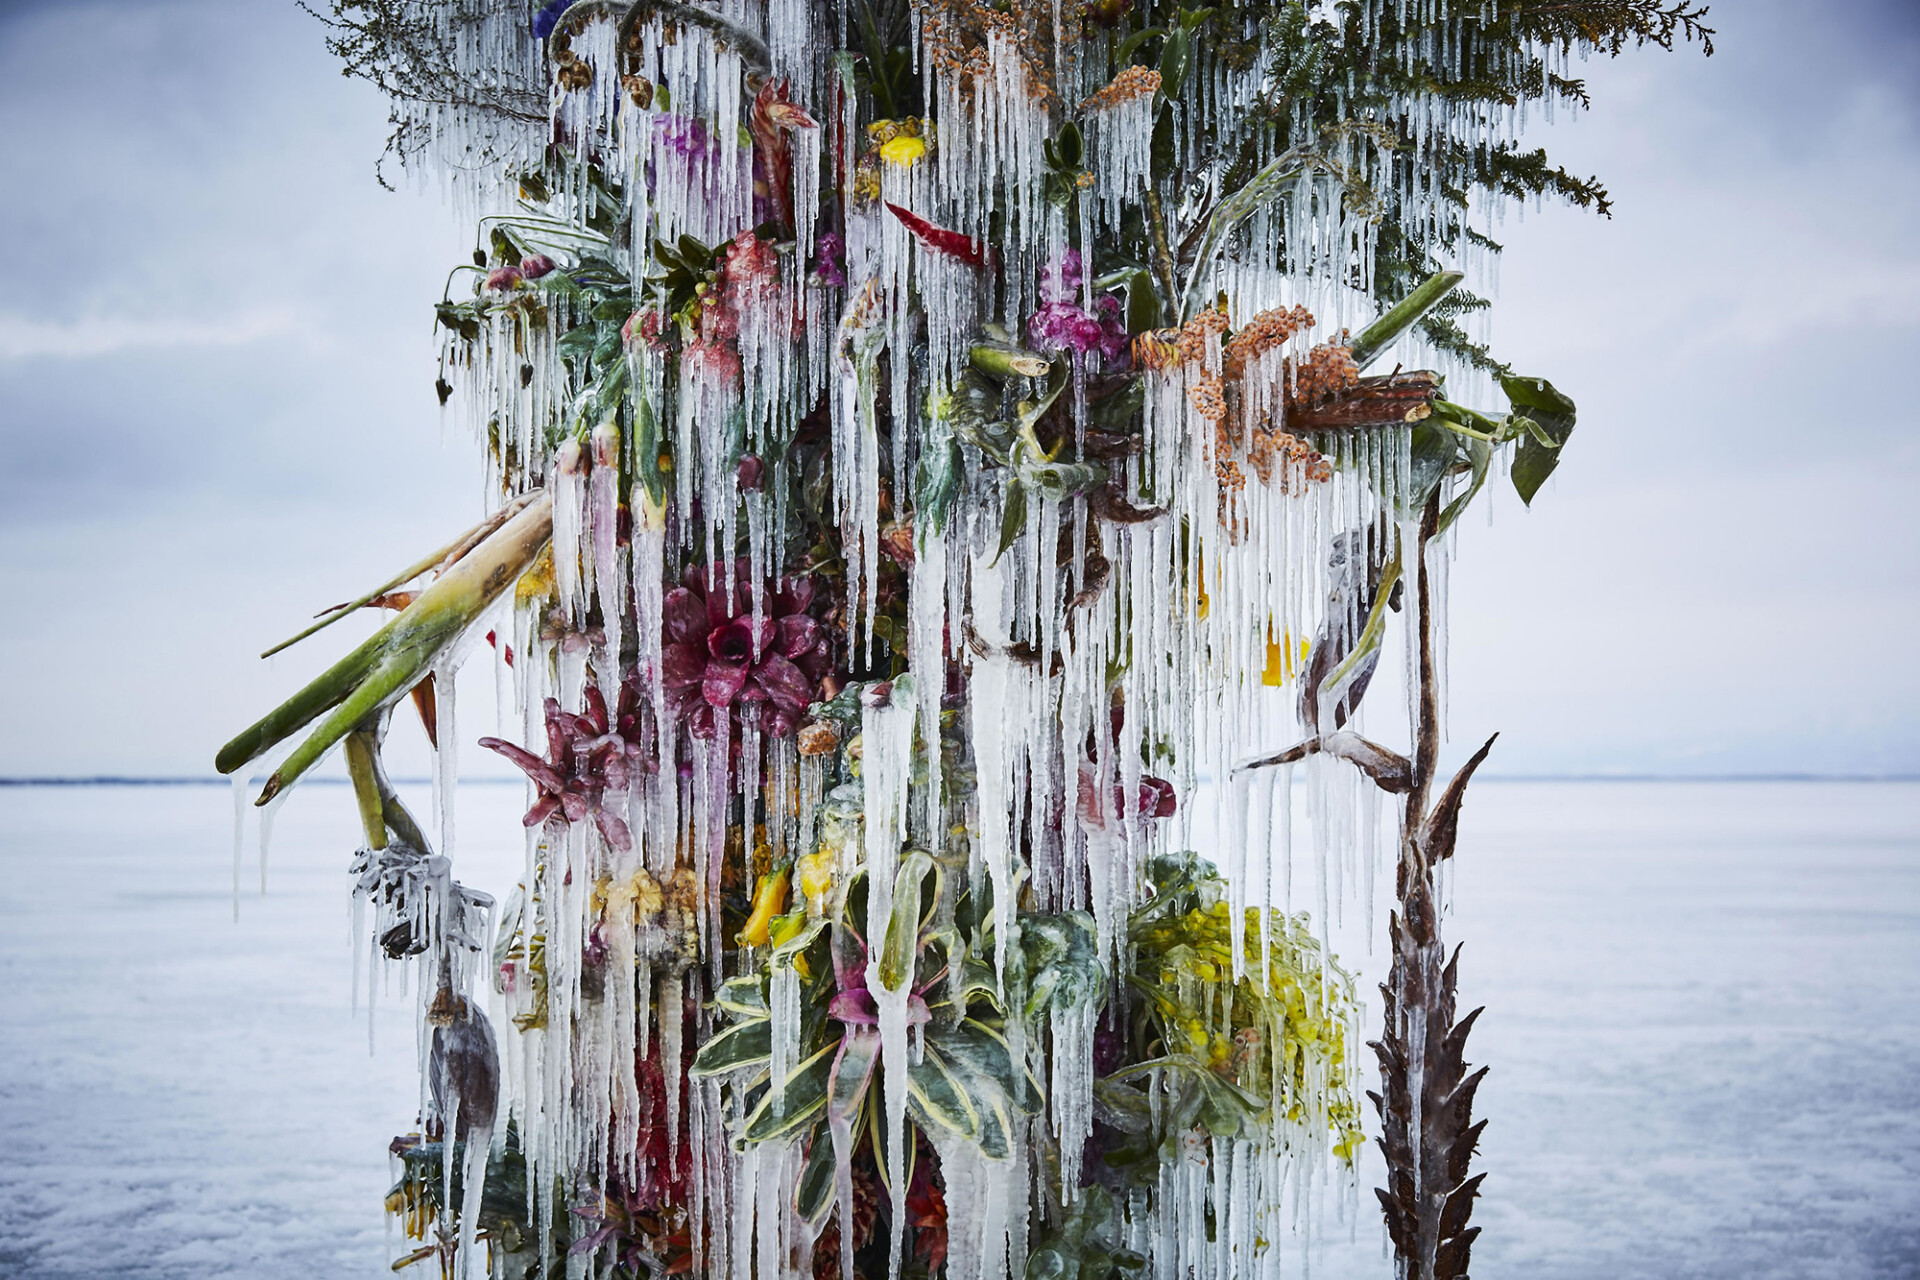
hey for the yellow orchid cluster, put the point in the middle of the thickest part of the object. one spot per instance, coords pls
(901, 143)
(1279, 1031)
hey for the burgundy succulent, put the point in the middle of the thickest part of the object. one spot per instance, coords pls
(590, 759)
(719, 663)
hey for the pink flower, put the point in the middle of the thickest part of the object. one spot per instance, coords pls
(502, 279)
(536, 266)
(1062, 326)
(1060, 281)
(590, 759)
(642, 327)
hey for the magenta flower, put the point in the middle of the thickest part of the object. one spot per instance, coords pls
(718, 663)
(536, 266)
(590, 759)
(1060, 280)
(827, 260)
(1062, 326)
(502, 279)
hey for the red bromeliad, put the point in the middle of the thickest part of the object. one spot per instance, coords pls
(721, 661)
(590, 759)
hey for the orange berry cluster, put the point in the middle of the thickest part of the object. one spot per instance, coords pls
(1208, 397)
(1327, 372)
(1135, 82)
(1261, 334)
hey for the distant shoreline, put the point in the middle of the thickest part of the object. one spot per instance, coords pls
(112, 780)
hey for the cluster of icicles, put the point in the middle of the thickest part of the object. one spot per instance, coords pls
(1198, 613)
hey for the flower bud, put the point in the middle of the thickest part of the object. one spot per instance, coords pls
(572, 458)
(751, 472)
(606, 445)
(536, 266)
(503, 279)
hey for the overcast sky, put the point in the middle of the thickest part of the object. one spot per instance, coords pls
(216, 406)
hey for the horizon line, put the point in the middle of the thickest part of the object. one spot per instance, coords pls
(200, 780)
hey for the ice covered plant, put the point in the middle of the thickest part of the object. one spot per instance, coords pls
(926, 439)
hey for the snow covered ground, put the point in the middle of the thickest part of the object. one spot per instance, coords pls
(1703, 1023)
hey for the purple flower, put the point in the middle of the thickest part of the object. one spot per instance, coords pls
(827, 263)
(1060, 282)
(536, 266)
(686, 136)
(1061, 326)
(503, 279)
(548, 17)
(590, 758)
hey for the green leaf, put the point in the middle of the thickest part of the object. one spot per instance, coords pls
(1070, 146)
(1536, 400)
(852, 1072)
(937, 1098)
(813, 1196)
(1144, 306)
(745, 1044)
(646, 451)
(1126, 47)
(938, 474)
(745, 997)
(1480, 456)
(1013, 516)
(903, 924)
(1434, 450)
(805, 1094)
(1174, 58)
(1280, 174)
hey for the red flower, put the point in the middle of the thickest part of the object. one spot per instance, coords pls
(718, 662)
(589, 761)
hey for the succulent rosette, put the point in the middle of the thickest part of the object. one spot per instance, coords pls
(721, 662)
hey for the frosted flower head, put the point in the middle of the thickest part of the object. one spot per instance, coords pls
(504, 279)
(1062, 326)
(720, 664)
(685, 136)
(539, 264)
(1060, 281)
(904, 151)
(643, 327)
(827, 260)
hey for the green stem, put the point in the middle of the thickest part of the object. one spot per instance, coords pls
(452, 551)
(1380, 335)
(1005, 360)
(1162, 255)
(366, 787)
(396, 656)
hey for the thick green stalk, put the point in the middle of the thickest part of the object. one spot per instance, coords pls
(1380, 335)
(1004, 360)
(452, 551)
(396, 656)
(366, 787)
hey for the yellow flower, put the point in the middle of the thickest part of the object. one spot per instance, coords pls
(816, 878)
(1283, 660)
(904, 151)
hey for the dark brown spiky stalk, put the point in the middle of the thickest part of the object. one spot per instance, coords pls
(1428, 1133)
